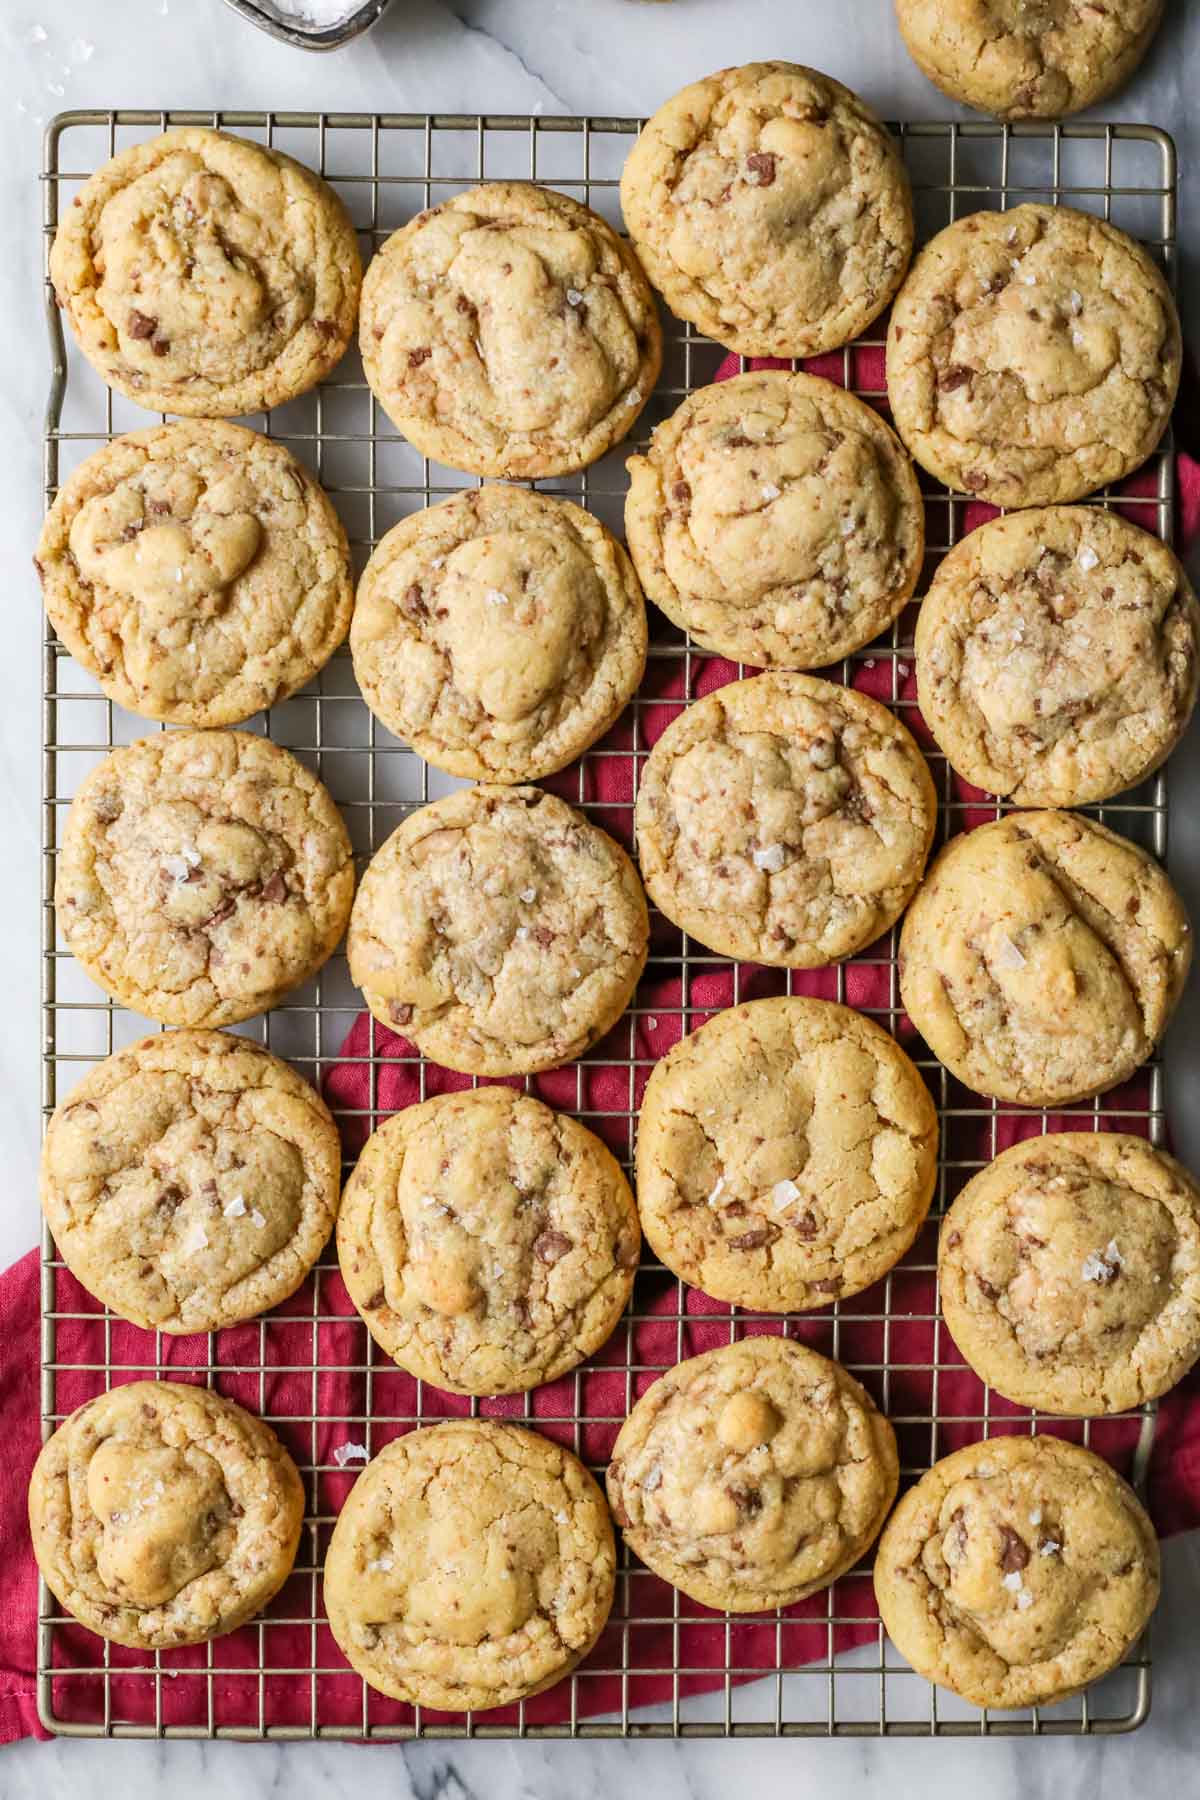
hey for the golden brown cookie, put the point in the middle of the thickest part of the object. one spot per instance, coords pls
(510, 331)
(206, 275)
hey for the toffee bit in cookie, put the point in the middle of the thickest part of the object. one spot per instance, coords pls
(761, 166)
(1014, 1551)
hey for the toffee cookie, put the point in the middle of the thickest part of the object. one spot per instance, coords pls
(206, 275)
(771, 209)
(1032, 356)
(191, 1181)
(489, 1243)
(1043, 957)
(1027, 61)
(197, 571)
(472, 1565)
(777, 519)
(753, 1475)
(202, 875)
(784, 820)
(786, 1155)
(510, 331)
(1069, 1272)
(162, 1514)
(499, 930)
(499, 633)
(1017, 1571)
(1057, 655)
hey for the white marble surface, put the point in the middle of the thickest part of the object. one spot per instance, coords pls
(554, 56)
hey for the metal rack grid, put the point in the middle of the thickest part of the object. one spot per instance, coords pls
(387, 167)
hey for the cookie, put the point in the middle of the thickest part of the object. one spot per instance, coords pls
(1039, 61)
(500, 931)
(753, 1475)
(771, 209)
(1043, 957)
(205, 275)
(784, 820)
(1032, 356)
(1017, 1571)
(162, 1514)
(473, 1565)
(499, 633)
(191, 1181)
(1057, 655)
(1069, 1272)
(777, 519)
(786, 1155)
(489, 1243)
(202, 875)
(510, 331)
(197, 571)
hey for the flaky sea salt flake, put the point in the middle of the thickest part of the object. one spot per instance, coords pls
(783, 1194)
(771, 492)
(1024, 1599)
(381, 1564)
(494, 597)
(195, 1239)
(236, 1208)
(350, 1452)
(1049, 1547)
(257, 1219)
(1012, 1581)
(1009, 955)
(574, 297)
(1087, 558)
(717, 1191)
(771, 858)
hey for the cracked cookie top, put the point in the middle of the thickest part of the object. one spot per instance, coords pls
(784, 820)
(1028, 59)
(472, 1565)
(499, 930)
(786, 1154)
(1033, 355)
(162, 1514)
(197, 571)
(1069, 1272)
(202, 875)
(510, 331)
(489, 1243)
(191, 1181)
(1057, 655)
(1017, 1571)
(499, 633)
(777, 519)
(770, 208)
(206, 275)
(1042, 958)
(753, 1475)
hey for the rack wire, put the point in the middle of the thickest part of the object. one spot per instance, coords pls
(664, 1666)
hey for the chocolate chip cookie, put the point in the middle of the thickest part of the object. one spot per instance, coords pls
(1017, 1571)
(489, 1243)
(770, 208)
(499, 930)
(753, 1475)
(163, 1515)
(473, 1565)
(777, 519)
(1057, 655)
(510, 331)
(202, 874)
(499, 633)
(206, 275)
(197, 571)
(1042, 958)
(1032, 356)
(784, 820)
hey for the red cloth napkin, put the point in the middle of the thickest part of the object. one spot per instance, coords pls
(652, 1630)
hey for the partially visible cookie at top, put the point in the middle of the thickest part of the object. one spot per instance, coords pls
(1057, 655)
(206, 275)
(777, 518)
(510, 331)
(499, 633)
(770, 208)
(202, 875)
(1028, 61)
(500, 930)
(1033, 356)
(784, 820)
(1042, 957)
(197, 571)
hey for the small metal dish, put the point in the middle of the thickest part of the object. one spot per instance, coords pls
(270, 19)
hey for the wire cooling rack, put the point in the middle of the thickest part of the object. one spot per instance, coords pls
(664, 1666)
